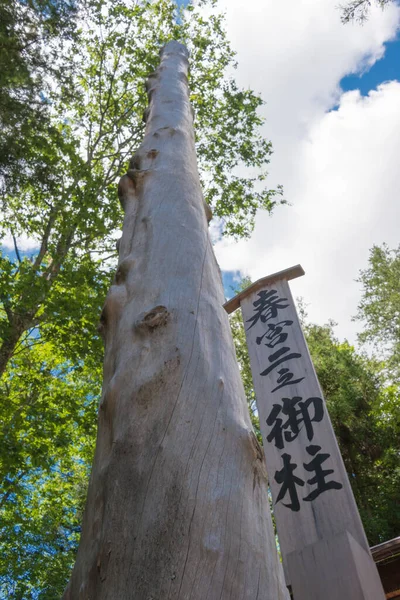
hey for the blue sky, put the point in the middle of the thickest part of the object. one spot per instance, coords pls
(386, 69)
(231, 280)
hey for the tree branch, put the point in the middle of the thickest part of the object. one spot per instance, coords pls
(45, 239)
(15, 246)
(63, 246)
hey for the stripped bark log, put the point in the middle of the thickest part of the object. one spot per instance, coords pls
(177, 505)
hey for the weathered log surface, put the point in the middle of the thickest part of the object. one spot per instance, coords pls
(177, 505)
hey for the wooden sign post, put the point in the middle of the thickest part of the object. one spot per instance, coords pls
(324, 548)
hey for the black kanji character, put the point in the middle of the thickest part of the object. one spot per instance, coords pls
(285, 378)
(289, 481)
(297, 413)
(278, 357)
(266, 307)
(316, 465)
(274, 334)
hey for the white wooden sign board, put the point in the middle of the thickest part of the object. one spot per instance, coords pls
(324, 548)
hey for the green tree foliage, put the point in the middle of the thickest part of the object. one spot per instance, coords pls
(379, 309)
(32, 37)
(71, 106)
(365, 415)
(48, 432)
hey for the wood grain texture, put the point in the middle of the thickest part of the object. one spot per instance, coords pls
(177, 506)
(333, 511)
(336, 568)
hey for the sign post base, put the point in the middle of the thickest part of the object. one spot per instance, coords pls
(339, 569)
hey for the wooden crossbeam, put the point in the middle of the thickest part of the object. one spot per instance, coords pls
(287, 274)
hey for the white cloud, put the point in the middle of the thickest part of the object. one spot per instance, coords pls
(339, 168)
(24, 243)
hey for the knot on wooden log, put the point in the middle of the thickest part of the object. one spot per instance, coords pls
(165, 130)
(122, 272)
(152, 154)
(101, 327)
(155, 317)
(135, 161)
(126, 190)
(259, 469)
(136, 175)
(113, 305)
(149, 83)
(129, 183)
(258, 452)
(208, 211)
(146, 114)
(183, 77)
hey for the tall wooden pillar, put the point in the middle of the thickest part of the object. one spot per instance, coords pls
(323, 544)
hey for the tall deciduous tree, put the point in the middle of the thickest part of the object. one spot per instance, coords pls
(34, 36)
(177, 501)
(379, 309)
(365, 414)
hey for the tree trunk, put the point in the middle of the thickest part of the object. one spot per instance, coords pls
(177, 505)
(8, 346)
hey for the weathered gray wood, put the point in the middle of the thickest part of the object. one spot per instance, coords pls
(177, 505)
(333, 511)
(339, 569)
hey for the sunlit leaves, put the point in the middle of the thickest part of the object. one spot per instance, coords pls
(379, 309)
(48, 409)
